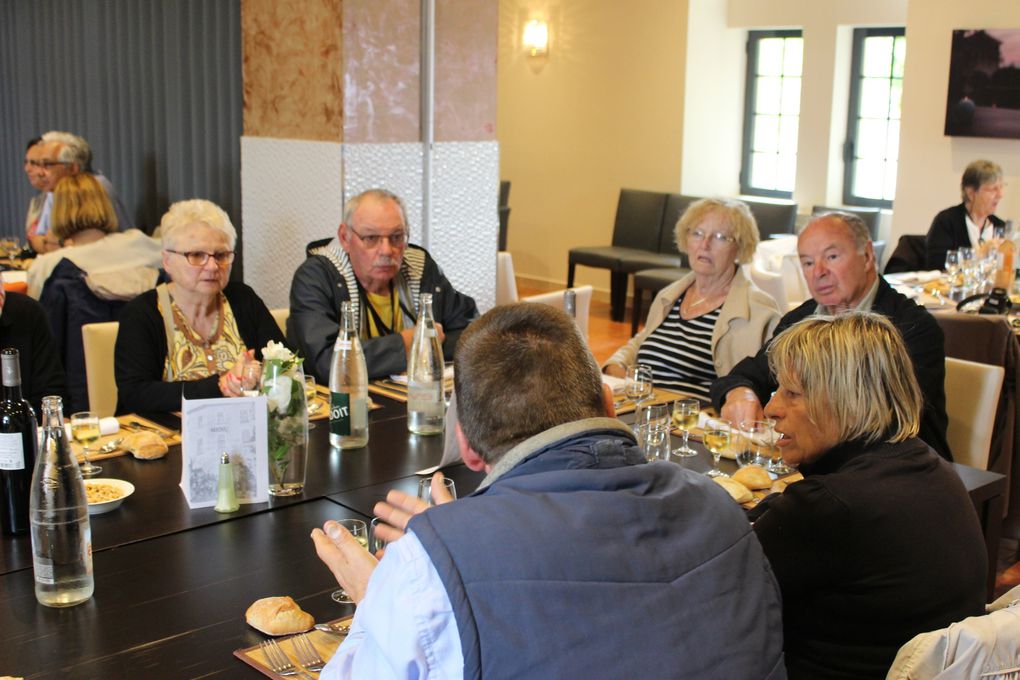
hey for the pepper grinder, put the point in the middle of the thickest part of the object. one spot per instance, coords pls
(226, 499)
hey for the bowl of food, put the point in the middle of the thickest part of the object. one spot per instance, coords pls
(105, 495)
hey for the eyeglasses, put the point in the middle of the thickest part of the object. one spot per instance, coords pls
(697, 236)
(397, 239)
(198, 258)
(46, 165)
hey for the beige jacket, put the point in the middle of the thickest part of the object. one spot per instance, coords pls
(746, 321)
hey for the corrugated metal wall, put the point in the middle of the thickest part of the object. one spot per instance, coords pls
(153, 85)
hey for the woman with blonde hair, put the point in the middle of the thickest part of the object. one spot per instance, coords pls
(83, 229)
(879, 541)
(699, 327)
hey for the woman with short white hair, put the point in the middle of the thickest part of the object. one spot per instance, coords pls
(194, 336)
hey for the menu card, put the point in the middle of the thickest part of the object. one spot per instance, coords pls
(212, 427)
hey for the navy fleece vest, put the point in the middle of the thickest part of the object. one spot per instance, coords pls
(584, 562)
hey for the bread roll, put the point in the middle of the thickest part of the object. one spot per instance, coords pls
(753, 477)
(145, 445)
(738, 491)
(278, 616)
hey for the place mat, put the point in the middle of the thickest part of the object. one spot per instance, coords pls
(171, 437)
(325, 644)
(398, 390)
(95, 455)
(320, 405)
(624, 405)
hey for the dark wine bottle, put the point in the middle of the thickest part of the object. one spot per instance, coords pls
(18, 447)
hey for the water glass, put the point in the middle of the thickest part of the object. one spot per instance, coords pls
(375, 544)
(359, 530)
(251, 374)
(757, 443)
(425, 489)
(639, 383)
(652, 431)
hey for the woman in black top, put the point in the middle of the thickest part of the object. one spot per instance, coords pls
(973, 221)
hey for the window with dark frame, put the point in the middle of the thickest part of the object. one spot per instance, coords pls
(871, 151)
(771, 112)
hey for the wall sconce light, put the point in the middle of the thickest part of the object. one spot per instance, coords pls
(536, 38)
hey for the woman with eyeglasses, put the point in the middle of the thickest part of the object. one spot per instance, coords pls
(973, 221)
(700, 326)
(83, 229)
(194, 336)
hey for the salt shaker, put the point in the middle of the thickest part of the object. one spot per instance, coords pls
(226, 499)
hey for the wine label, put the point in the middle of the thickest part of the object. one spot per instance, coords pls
(43, 567)
(340, 413)
(12, 453)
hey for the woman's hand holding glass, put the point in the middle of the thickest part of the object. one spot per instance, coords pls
(232, 382)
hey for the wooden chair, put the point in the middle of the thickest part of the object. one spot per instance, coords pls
(98, 340)
(972, 396)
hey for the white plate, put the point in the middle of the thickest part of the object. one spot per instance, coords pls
(126, 489)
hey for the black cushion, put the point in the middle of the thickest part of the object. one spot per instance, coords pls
(657, 279)
(637, 262)
(603, 257)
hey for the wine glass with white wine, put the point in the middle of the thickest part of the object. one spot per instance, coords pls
(639, 386)
(359, 530)
(717, 440)
(685, 419)
(85, 431)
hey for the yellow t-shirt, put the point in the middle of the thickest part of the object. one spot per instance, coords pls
(388, 309)
(192, 358)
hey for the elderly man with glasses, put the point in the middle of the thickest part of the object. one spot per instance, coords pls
(371, 263)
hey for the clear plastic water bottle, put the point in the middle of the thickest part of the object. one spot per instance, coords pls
(348, 386)
(59, 513)
(426, 406)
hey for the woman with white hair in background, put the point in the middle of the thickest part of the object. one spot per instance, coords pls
(194, 336)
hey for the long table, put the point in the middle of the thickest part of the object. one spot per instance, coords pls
(172, 584)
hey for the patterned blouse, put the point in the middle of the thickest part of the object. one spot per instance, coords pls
(192, 357)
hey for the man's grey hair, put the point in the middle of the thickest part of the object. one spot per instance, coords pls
(379, 195)
(519, 370)
(74, 149)
(857, 227)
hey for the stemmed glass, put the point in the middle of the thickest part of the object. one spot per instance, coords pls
(359, 530)
(639, 383)
(717, 440)
(685, 418)
(85, 431)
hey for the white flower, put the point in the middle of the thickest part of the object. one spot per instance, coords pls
(277, 351)
(279, 391)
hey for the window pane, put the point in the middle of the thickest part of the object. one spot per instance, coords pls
(890, 181)
(899, 56)
(768, 97)
(788, 134)
(791, 96)
(793, 57)
(770, 57)
(868, 179)
(878, 56)
(786, 172)
(763, 170)
(892, 149)
(874, 98)
(895, 95)
(766, 133)
(871, 139)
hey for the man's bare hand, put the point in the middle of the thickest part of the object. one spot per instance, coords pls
(398, 509)
(351, 564)
(741, 404)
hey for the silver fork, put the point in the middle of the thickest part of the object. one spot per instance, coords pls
(279, 662)
(307, 655)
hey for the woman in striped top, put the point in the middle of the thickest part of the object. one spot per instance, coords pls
(703, 324)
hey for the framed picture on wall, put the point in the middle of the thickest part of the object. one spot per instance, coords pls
(984, 84)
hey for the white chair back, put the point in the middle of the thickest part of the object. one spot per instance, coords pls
(770, 282)
(280, 316)
(506, 282)
(555, 299)
(972, 396)
(98, 340)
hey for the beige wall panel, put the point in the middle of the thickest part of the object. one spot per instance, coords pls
(292, 69)
(466, 37)
(382, 45)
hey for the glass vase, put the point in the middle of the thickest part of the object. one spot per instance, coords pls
(283, 384)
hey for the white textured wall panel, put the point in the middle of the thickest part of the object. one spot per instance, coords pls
(290, 195)
(395, 167)
(465, 222)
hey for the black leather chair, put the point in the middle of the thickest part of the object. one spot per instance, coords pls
(666, 254)
(773, 217)
(652, 280)
(869, 215)
(908, 256)
(504, 212)
(635, 232)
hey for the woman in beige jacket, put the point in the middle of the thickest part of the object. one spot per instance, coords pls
(703, 324)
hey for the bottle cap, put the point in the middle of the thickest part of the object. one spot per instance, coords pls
(10, 368)
(225, 458)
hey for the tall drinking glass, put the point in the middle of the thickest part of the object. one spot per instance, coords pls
(85, 431)
(425, 489)
(359, 530)
(639, 383)
(685, 419)
(717, 440)
(651, 427)
(758, 442)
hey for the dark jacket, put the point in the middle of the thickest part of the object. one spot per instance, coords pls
(920, 333)
(583, 561)
(326, 278)
(948, 231)
(23, 327)
(140, 353)
(877, 544)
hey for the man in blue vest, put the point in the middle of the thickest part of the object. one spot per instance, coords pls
(574, 558)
